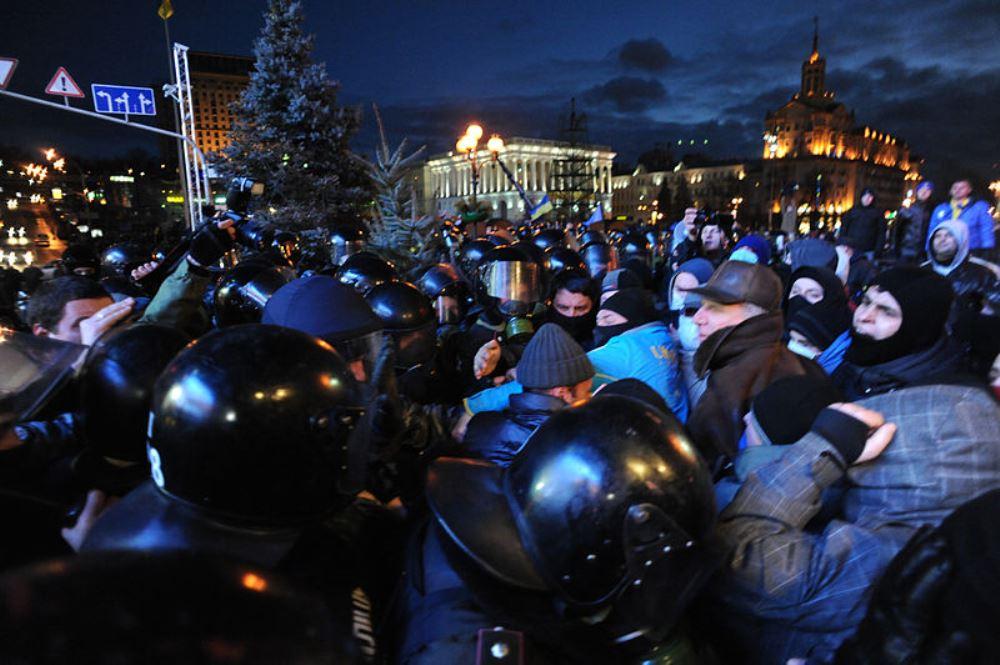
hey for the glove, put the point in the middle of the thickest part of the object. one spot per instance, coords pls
(209, 244)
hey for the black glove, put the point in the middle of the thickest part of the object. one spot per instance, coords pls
(209, 244)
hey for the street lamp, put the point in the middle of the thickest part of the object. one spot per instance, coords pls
(468, 145)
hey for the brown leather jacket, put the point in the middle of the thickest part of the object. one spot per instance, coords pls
(740, 362)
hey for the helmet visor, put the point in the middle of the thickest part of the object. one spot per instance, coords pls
(339, 251)
(360, 353)
(520, 281)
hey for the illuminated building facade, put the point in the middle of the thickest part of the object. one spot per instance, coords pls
(813, 147)
(447, 178)
(216, 82)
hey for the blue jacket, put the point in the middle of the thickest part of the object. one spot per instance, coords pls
(647, 353)
(976, 215)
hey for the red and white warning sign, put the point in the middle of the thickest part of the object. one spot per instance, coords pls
(63, 84)
(7, 66)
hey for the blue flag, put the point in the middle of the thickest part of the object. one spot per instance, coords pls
(543, 207)
(596, 216)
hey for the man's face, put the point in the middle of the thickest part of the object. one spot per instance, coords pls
(961, 189)
(684, 282)
(924, 193)
(74, 313)
(713, 316)
(944, 246)
(571, 304)
(808, 288)
(448, 309)
(866, 199)
(879, 315)
(711, 238)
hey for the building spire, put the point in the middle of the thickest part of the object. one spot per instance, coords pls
(816, 35)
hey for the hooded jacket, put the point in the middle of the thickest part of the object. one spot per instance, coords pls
(943, 359)
(974, 284)
(739, 361)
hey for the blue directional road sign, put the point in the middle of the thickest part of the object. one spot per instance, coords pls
(124, 99)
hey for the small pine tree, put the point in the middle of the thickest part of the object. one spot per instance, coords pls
(290, 132)
(397, 233)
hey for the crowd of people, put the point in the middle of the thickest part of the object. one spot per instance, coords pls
(690, 443)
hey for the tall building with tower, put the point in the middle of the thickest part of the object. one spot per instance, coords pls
(818, 158)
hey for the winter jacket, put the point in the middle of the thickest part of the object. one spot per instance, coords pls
(943, 359)
(791, 592)
(178, 302)
(910, 231)
(497, 436)
(739, 361)
(975, 285)
(867, 226)
(647, 353)
(976, 215)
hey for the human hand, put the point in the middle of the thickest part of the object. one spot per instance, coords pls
(104, 320)
(487, 358)
(97, 503)
(880, 433)
(144, 270)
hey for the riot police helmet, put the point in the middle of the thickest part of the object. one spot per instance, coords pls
(471, 255)
(447, 290)
(121, 259)
(81, 260)
(366, 270)
(599, 257)
(407, 315)
(607, 506)
(563, 258)
(549, 239)
(347, 237)
(244, 290)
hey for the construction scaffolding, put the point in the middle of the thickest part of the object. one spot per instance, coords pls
(573, 183)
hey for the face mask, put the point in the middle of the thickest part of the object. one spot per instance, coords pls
(604, 333)
(795, 347)
(743, 254)
(795, 305)
(687, 333)
(578, 327)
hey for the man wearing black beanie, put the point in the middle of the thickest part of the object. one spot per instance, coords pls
(898, 337)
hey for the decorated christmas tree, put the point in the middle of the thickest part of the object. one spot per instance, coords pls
(397, 233)
(290, 132)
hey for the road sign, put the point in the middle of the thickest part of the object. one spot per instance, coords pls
(62, 84)
(125, 99)
(7, 66)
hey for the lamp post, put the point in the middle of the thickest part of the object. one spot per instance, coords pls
(468, 145)
(771, 140)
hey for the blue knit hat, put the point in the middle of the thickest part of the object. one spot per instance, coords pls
(758, 245)
(552, 358)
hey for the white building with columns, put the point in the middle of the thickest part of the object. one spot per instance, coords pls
(448, 177)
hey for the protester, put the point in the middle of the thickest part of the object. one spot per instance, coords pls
(752, 248)
(866, 224)
(741, 353)
(976, 287)
(898, 337)
(911, 224)
(975, 214)
(554, 371)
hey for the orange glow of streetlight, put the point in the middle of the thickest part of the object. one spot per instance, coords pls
(495, 144)
(474, 131)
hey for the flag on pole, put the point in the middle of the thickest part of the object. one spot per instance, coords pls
(596, 216)
(543, 207)
(166, 9)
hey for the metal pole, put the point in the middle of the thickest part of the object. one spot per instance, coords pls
(177, 120)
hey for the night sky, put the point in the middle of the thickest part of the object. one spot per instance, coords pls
(644, 72)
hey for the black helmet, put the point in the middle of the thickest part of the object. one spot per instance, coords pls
(563, 258)
(243, 292)
(634, 244)
(121, 259)
(252, 423)
(408, 315)
(600, 258)
(592, 236)
(548, 239)
(494, 239)
(440, 281)
(366, 270)
(347, 237)
(116, 388)
(608, 505)
(120, 288)
(286, 248)
(164, 607)
(81, 260)
(471, 255)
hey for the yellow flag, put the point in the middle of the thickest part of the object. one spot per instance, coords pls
(166, 9)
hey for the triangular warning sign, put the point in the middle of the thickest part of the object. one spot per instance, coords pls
(63, 84)
(7, 66)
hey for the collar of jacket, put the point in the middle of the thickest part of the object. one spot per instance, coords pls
(723, 345)
(941, 358)
(535, 402)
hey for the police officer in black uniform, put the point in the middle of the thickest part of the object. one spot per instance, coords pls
(587, 548)
(254, 455)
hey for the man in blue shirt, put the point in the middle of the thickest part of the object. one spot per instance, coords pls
(975, 214)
